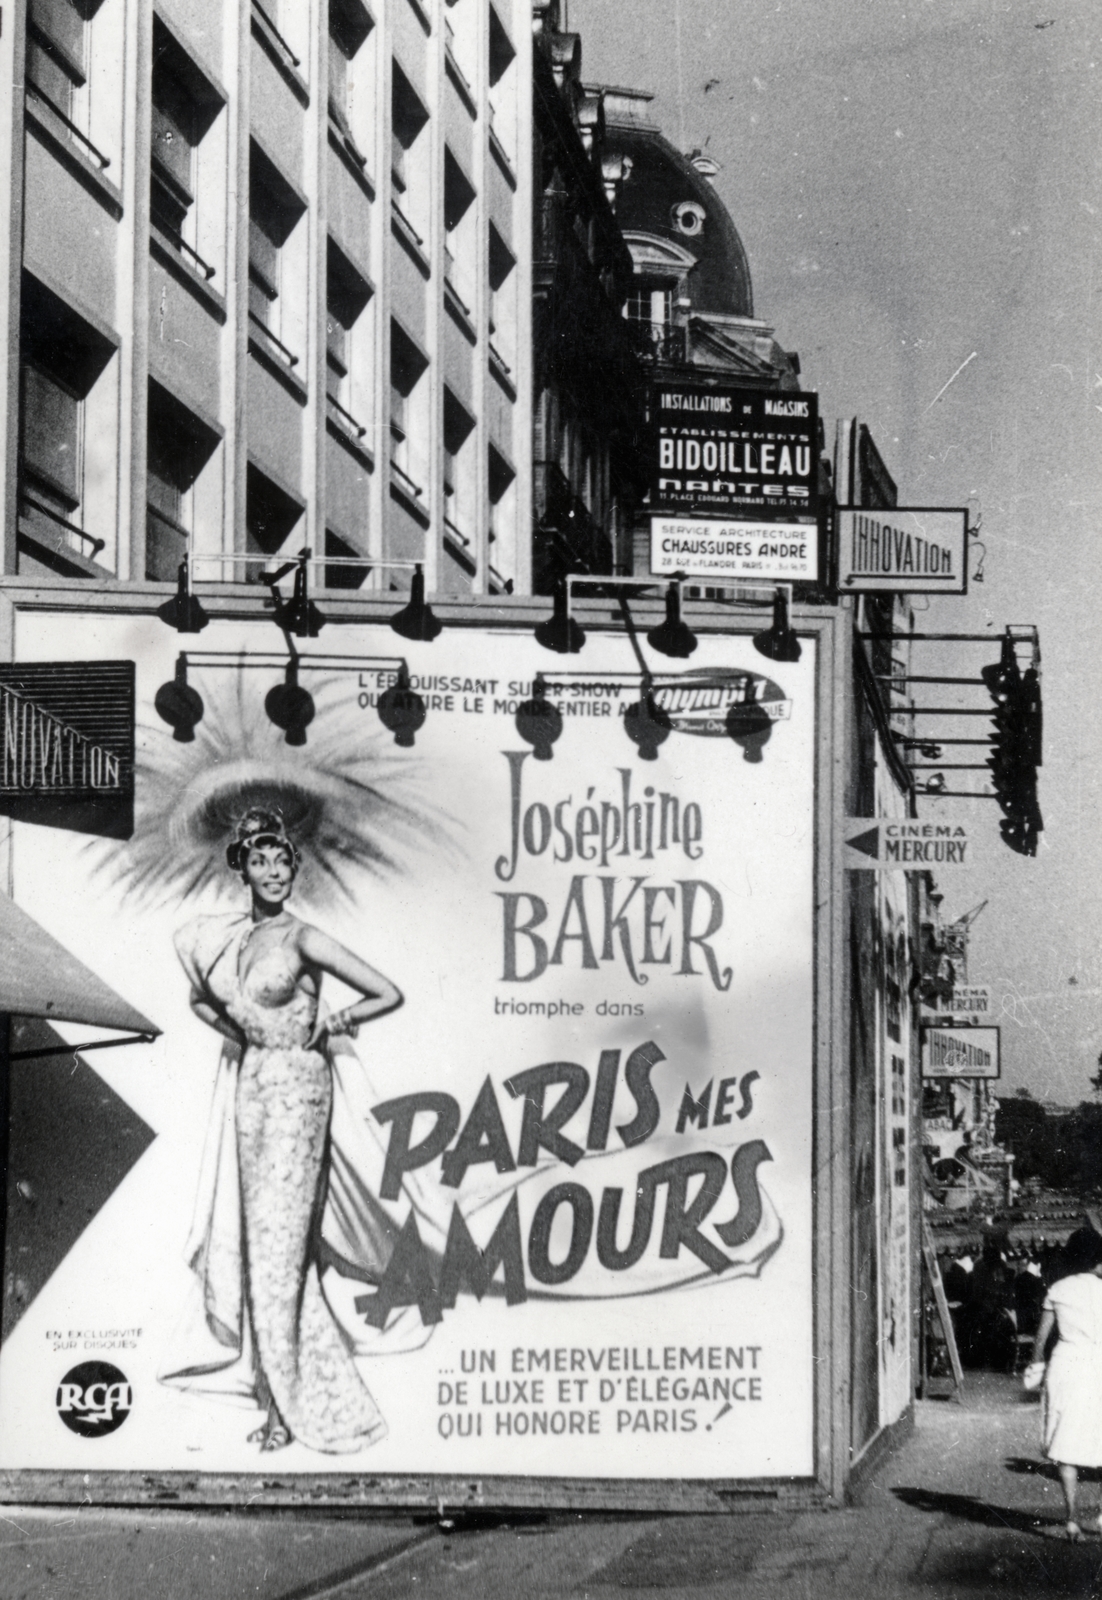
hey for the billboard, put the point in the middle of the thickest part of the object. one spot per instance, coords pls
(67, 745)
(478, 1139)
(903, 550)
(734, 483)
(960, 1052)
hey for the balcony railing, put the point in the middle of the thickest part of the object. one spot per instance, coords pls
(276, 35)
(31, 504)
(349, 420)
(289, 357)
(573, 540)
(658, 342)
(82, 138)
(179, 243)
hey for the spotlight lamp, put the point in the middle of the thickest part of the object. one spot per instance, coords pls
(178, 704)
(417, 620)
(560, 632)
(538, 721)
(647, 726)
(779, 643)
(748, 724)
(183, 612)
(289, 706)
(401, 709)
(298, 615)
(673, 637)
(1004, 676)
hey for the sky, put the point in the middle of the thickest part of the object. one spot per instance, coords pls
(919, 189)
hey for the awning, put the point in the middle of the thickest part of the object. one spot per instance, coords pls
(40, 978)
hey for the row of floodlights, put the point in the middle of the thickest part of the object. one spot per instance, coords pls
(402, 711)
(297, 615)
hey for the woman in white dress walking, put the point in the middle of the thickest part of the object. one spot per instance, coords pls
(1072, 1395)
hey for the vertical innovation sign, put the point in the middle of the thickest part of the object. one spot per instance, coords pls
(734, 483)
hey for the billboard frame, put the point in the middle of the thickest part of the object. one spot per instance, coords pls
(829, 1032)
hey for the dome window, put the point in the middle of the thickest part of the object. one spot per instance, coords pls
(688, 218)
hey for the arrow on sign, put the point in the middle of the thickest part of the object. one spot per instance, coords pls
(868, 843)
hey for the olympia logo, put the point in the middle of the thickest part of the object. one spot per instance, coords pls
(94, 1398)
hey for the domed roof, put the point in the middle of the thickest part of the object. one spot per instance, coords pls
(666, 198)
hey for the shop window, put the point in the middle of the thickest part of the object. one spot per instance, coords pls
(271, 515)
(350, 24)
(184, 106)
(178, 447)
(347, 293)
(407, 423)
(61, 358)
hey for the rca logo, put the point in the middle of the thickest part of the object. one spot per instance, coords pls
(94, 1399)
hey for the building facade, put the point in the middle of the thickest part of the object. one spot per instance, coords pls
(270, 291)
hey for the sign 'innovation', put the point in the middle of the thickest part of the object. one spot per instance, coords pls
(903, 551)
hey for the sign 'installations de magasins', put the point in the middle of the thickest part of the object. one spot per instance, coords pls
(734, 483)
(478, 1136)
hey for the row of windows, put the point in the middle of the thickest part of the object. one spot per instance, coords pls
(62, 356)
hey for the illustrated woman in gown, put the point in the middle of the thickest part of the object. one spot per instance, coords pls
(256, 979)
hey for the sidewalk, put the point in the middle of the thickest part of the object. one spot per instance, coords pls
(966, 1508)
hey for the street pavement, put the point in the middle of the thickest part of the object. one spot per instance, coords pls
(965, 1508)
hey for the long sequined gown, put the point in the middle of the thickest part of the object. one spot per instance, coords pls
(282, 1108)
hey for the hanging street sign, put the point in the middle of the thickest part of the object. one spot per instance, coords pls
(960, 1052)
(734, 483)
(970, 1000)
(886, 844)
(906, 550)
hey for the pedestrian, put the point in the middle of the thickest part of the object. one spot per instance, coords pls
(1072, 1392)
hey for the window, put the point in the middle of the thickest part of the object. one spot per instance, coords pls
(408, 427)
(349, 26)
(271, 514)
(502, 476)
(274, 211)
(185, 104)
(459, 224)
(56, 64)
(61, 357)
(408, 117)
(649, 303)
(347, 293)
(502, 53)
(178, 447)
(341, 575)
(503, 87)
(459, 477)
(503, 313)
